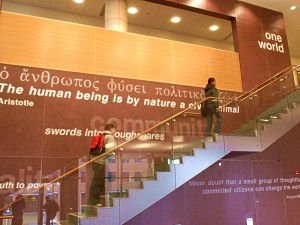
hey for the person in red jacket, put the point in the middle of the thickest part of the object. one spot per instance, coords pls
(97, 187)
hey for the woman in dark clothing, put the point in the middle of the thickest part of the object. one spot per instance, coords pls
(212, 107)
(51, 207)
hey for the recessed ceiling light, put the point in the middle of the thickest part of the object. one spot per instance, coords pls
(293, 7)
(132, 10)
(78, 1)
(175, 19)
(214, 28)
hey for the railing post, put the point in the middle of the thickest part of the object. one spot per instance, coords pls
(40, 209)
(296, 80)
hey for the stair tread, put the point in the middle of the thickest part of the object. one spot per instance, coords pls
(81, 215)
(64, 222)
(95, 206)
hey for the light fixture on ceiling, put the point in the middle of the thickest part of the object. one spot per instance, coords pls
(78, 1)
(132, 10)
(293, 7)
(214, 28)
(175, 19)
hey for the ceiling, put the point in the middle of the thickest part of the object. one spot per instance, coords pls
(156, 17)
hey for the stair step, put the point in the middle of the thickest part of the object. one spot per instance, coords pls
(119, 194)
(89, 210)
(64, 222)
(74, 218)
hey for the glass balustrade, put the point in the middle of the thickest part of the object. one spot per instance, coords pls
(149, 164)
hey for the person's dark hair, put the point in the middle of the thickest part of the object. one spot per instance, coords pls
(210, 80)
(109, 126)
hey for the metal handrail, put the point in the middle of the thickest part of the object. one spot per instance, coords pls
(269, 81)
(6, 217)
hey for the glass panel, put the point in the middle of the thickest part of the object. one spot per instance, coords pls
(238, 118)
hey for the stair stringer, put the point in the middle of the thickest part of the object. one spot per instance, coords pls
(201, 160)
(126, 208)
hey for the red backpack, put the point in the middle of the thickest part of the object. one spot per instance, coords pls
(97, 146)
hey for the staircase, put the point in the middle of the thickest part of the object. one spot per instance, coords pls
(272, 124)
